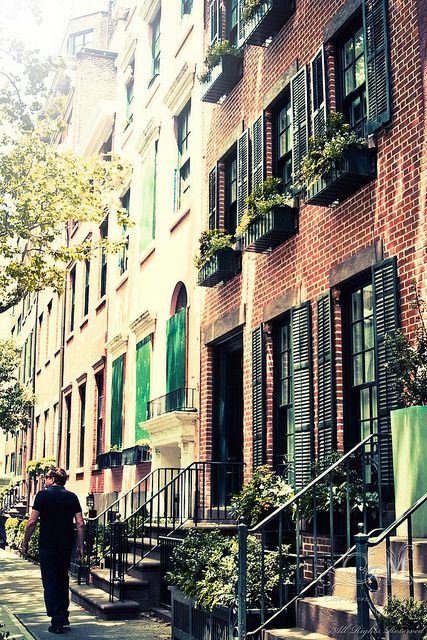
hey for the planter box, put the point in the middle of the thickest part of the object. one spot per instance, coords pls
(269, 18)
(221, 267)
(355, 169)
(191, 623)
(109, 459)
(268, 232)
(136, 454)
(409, 441)
(223, 78)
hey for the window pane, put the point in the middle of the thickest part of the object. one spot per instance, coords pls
(360, 71)
(357, 370)
(365, 409)
(369, 333)
(367, 301)
(348, 53)
(369, 366)
(357, 338)
(349, 81)
(356, 300)
(358, 43)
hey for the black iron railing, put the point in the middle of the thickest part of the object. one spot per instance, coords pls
(368, 583)
(322, 515)
(179, 400)
(12, 496)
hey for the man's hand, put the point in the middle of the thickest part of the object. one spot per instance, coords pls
(79, 552)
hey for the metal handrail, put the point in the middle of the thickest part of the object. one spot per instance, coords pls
(400, 520)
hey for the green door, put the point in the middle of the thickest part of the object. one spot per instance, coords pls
(117, 402)
(142, 391)
(176, 351)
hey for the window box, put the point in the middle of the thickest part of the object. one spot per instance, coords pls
(109, 460)
(269, 231)
(270, 16)
(355, 169)
(136, 454)
(221, 267)
(223, 78)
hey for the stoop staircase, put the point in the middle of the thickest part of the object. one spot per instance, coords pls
(127, 546)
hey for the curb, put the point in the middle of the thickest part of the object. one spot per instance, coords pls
(13, 625)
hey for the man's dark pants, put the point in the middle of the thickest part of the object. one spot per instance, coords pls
(54, 565)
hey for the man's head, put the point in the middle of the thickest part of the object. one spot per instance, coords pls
(56, 475)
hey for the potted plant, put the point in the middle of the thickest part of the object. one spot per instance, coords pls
(222, 70)
(336, 164)
(407, 361)
(405, 619)
(215, 259)
(269, 217)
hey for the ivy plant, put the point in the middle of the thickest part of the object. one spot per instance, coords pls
(210, 242)
(213, 57)
(406, 615)
(262, 199)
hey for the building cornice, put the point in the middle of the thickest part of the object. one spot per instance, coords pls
(179, 91)
(150, 133)
(117, 343)
(144, 325)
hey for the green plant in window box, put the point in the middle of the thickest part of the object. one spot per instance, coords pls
(264, 197)
(213, 57)
(114, 449)
(327, 149)
(210, 242)
(249, 9)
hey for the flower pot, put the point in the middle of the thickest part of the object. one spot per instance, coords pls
(409, 438)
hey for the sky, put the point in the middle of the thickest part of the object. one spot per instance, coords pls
(18, 20)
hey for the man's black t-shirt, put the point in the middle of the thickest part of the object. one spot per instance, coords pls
(57, 508)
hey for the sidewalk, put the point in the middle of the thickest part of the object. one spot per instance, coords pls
(24, 615)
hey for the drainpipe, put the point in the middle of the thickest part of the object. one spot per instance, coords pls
(61, 362)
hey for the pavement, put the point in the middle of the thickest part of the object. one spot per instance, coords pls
(23, 614)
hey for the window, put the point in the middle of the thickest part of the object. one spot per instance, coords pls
(117, 386)
(82, 395)
(186, 7)
(155, 45)
(214, 14)
(99, 382)
(78, 41)
(147, 217)
(130, 94)
(72, 299)
(283, 424)
(283, 144)
(352, 75)
(230, 199)
(48, 326)
(68, 430)
(39, 341)
(123, 254)
(12, 463)
(103, 232)
(184, 152)
(45, 431)
(86, 290)
(232, 8)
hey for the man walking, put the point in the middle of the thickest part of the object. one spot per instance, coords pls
(56, 508)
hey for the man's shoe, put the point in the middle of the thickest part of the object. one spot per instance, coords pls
(56, 629)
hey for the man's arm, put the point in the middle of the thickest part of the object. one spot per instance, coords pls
(80, 523)
(29, 529)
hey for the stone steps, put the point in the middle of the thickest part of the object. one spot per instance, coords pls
(97, 601)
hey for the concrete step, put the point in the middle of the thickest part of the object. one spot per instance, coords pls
(292, 634)
(329, 616)
(399, 555)
(132, 588)
(162, 613)
(96, 601)
(343, 585)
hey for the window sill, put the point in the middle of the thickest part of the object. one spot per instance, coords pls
(152, 87)
(149, 251)
(101, 304)
(123, 279)
(57, 352)
(84, 322)
(47, 363)
(70, 337)
(182, 214)
(38, 372)
(80, 471)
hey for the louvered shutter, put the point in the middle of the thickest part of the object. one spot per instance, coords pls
(215, 21)
(326, 378)
(386, 320)
(299, 119)
(176, 351)
(318, 94)
(142, 391)
(258, 403)
(213, 198)
(241, 24)
(258, 152)
(302, 375)
(242, 173)
(117, 401)
(378, 89)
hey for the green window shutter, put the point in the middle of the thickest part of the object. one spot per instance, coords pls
(326, 380)
(176, 351)
(302, 374)
(386, 320)
(148, 179)
(299, 109)
(318, 94)
(242, 173)
(258, 152)
(258, 398)
(117, 401)
(142, 391)
(213, 198)
(377, 61)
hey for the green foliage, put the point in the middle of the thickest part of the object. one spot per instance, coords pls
(11, 526)
(249, 8)
(260, 496)
(210, 242)
(205, 568)
(340, 479)
(40, 467)
(325, 150)
(406, 615)
(44, 187)
(264, 197)
(33, 544)
(4, 635)
(213, 57)
(407, 359)
(114, 449)
(15, 400)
